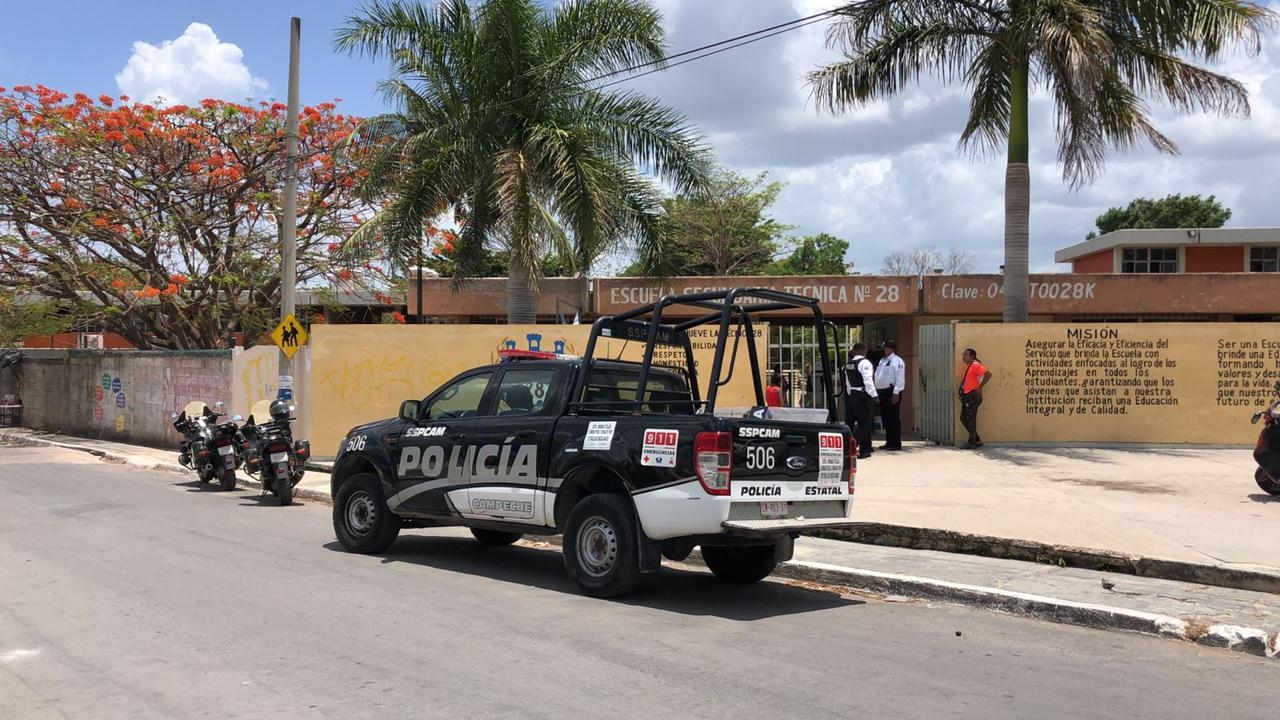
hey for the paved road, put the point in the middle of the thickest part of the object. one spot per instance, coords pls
(134, 595)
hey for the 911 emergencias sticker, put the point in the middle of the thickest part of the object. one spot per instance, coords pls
(659, 448)
(830, 458)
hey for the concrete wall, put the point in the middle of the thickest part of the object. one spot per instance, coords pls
(119, 395)
(355, 374)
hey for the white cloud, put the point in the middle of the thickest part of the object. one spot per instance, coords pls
(190, 68)
(889, 175)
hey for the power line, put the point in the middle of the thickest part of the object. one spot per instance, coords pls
(772, 30)
(811, 20)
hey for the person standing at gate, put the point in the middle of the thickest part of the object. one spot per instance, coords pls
(773, 393)
(975, 376)
(891, 380)
(862, 397)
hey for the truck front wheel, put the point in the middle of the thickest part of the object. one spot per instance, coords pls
(601, 552)
(740, 564)
(361, 519)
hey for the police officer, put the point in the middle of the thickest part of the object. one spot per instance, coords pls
(891, 380)
(862, 397)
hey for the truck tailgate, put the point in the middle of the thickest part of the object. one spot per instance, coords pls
(789, 471)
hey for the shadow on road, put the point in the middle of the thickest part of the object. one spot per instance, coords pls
(673, 590)
(1263, 498)
(255, 499)
(197, 486)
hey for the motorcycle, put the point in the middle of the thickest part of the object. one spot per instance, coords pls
(1267, 452)
(208, 447)
(270, 450)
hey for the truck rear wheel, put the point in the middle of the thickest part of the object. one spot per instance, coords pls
(495, 538)
(361, 519)
(740, 564)
(601, 549)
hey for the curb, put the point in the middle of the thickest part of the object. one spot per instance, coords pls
(873, 533)
(242, 480)
(1253, 641)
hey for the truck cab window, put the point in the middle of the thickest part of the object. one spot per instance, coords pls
(523, 392)
(459, 400)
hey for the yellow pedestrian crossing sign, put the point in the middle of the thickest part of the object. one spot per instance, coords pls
(289, 335)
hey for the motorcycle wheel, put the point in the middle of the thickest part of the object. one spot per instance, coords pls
(1269, 485)
(284, 491)
(227, 478)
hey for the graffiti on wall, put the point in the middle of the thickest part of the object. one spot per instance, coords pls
(256, 372)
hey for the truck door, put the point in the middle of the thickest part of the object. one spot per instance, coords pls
(509, 480)
(432, 464)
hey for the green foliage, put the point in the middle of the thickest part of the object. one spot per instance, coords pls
(726, 230)
(820, 254)
(23, 316)
(1103, 62)
(494, 263)
(495, 119)
(1173, 211)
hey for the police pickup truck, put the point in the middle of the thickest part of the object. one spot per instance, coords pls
(626, 459)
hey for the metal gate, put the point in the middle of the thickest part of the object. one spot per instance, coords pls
(936, 367)
(793, 353)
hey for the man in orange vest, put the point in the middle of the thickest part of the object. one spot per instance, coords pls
(975, 376)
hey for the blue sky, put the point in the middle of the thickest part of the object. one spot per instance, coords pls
(886, 177)
(81, 46)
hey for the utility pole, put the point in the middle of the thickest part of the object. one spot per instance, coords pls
(289, 226)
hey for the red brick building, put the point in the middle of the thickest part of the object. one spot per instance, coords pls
(1193, 250)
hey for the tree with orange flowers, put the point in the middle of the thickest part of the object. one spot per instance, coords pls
(161, 223)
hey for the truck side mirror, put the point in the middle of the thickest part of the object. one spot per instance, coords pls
(409, 410)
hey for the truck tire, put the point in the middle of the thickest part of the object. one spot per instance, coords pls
(495, 538)
(601, 548)
(361, 519)
(740, 563)
(1269, 485)
(227, 478)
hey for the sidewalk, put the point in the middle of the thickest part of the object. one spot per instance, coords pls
(1124, 500)
(1190, 505)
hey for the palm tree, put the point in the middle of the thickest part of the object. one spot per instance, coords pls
(1098, 59)
(500, 114)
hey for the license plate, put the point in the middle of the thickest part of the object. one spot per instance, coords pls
(279, 457)
(224, 449)
(773, 510)
(231, 462)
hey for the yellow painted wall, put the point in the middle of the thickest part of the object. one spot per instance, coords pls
(361, 373)
(1123, 382)
(254, 376)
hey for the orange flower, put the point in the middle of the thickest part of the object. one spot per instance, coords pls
(118, 284)
(101, 222)
(55, 186)
(106, 100)
(398, 317)
(194, 167)
(170, 290)
(179, 279)
(333, 248)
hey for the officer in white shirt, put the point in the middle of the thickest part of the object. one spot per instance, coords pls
(891, 380)
(862, 398)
